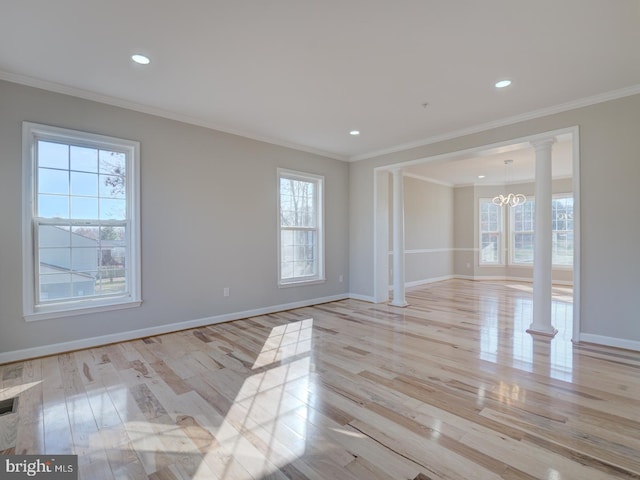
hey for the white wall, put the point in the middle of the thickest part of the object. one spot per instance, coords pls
(428, 221)
(208, 209)
(609, 176)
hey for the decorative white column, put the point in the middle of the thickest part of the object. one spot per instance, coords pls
(542, 262)
(398, 239)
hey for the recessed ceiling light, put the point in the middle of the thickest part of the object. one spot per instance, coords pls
(354, 132)
(141, 59)
(503, 83)
(481, 176)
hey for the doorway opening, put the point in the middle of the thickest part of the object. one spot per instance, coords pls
(446, 229)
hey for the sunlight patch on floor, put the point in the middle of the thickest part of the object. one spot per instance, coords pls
(264, 430)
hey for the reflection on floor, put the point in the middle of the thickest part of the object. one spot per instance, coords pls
(506, 319)
(450, 387)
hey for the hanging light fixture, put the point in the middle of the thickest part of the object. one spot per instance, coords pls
(510, 199)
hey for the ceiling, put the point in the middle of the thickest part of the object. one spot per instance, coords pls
(466, 170)
(305, 73)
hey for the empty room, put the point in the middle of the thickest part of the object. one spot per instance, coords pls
(319, 240)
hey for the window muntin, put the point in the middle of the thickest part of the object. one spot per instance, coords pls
(300, 233)
(491, 233)
(81, 211)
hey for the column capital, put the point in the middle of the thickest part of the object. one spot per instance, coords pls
(396, 170)
(543, 142)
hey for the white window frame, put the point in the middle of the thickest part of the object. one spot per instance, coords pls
(500, 233)
(318, 180)
(32, 310)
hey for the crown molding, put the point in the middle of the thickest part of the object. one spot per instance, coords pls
(119, 102)
(543, 112)
(158, 112)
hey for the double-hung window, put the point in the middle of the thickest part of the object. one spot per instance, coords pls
(300, 228)
(491, 233)
(81, 222)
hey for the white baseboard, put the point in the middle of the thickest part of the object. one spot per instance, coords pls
(509, 279)
(465, 277)
(45, 350)
(610, 341)
(364, 298)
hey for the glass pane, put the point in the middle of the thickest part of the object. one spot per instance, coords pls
(85, 236)
(84, 284)
(84, 207)
(84, 184)
(112, 163)
(55, 258)
(85, 258)
(112, 186)
(111, 209)
(53, 155)
(302, 269)
(286, 238)
(53, 206)
(55, 286)
(84, 159)
(53, 236)
(112, 279)
(53, 181)
(112, 256)
(112, 235)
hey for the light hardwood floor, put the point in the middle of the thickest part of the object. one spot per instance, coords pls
(450, 387)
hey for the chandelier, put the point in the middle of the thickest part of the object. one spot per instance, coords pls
(510, 199)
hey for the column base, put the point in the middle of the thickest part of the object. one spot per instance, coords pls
(544, 333)
(399, 304)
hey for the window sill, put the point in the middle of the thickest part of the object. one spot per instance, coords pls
(299, 283)
(47, 314)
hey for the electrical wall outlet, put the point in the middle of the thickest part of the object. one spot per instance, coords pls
(225, 292)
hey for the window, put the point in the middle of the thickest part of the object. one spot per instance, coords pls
(491, 228)
(80, 222)
(300, 230)
(522, 231)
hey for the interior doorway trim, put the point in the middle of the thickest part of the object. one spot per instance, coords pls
(381, 212)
